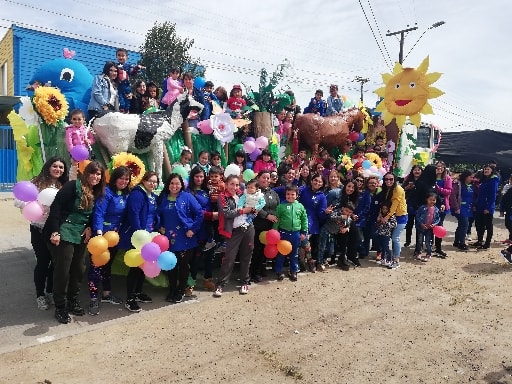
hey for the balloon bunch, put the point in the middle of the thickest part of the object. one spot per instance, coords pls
(253, 147)
(151, 253)
(356, 136)
(274, 244)
(27, 192)
(98, 247)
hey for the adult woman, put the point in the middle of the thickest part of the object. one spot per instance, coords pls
(409, 186)
(360, 215)
(139, 102)
(368, 228)
(53, 175)
(461, 205)
(107, 216)
(484, 206)
(104, 95)
(180, 217)
(263, 222)
(304, 175)
(348, 244)
(140, 215)
(394, 193)
(239, 235)
(68, 230)
(443, 189)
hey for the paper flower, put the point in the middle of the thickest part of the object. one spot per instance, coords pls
(27, 112)
(374, 159)
(133, 163)
(223, 127)
(50, 104)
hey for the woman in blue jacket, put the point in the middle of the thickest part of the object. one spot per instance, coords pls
(485, 206)
(461, 206)
(104, 95)
(180, 217)
(140, 214)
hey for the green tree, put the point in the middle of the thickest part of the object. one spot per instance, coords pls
(164, 49)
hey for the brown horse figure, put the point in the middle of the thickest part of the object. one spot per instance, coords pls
(327, 132)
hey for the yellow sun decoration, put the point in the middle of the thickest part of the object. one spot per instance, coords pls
(50, 104)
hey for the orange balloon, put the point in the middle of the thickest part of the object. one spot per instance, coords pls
(112, 238)
(82, 164)
(100, 260)
(284, 247)
(97, 245)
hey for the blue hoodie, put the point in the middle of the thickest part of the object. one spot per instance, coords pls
(109, 211)
(486, 199)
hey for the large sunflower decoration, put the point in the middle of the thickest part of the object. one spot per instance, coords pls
(133, 163)
(50, 104)
(406, 93)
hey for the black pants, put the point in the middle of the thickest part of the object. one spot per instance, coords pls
(483, 222)
(409, 226)
(178, 276)
(134, 282)
(43, 271)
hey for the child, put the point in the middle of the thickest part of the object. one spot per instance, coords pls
(380, 146)
(286, 134)
(124, 71)
(215, 187)
(203, 162)
(212, 103)
(264, 162)
(152, 94)
(383, 231)
(236, 102)
(335, 221)
(185, 157)
(317, 104)
(77, 134)
(216, 160)
(306, 260)
(252, 198)
(293, 226)
(173, 87)
(427, 216)
(240, 160)
(347, 237)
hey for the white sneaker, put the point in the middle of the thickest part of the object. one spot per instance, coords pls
(218, 292)
(244, 289)
(49, 298)
(468, 238)
(209, 245)
(42, 303)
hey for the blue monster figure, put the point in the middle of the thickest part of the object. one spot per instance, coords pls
(72, 78)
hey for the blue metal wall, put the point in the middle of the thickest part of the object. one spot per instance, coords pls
(8, 159)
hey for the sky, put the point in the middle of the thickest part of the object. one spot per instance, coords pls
(329, 42)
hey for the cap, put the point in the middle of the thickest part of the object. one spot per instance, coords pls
(237, 86)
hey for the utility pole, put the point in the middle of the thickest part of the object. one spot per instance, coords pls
(361, 80)
(402, 38)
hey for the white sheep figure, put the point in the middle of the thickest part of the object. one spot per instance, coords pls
(119, 132)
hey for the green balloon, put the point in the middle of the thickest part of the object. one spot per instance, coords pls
(180, 170)
(239, 147)
(248, 174)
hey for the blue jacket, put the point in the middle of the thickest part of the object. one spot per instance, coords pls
(363, 207)
(179, 216)
(108, 212)
(421, 217)
(203, 198)
(316, 106)
(100, 94)
(140, 214)
(486, 199)
(315, 204)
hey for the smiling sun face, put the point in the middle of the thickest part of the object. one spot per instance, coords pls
(406, 93)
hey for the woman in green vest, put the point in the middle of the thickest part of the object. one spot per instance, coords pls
(68, 229)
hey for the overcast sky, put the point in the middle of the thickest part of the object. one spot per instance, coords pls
(326, 42)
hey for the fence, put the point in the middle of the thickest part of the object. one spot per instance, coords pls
(8, 158)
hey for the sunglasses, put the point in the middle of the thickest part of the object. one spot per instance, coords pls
(389, 179)
(359, 180)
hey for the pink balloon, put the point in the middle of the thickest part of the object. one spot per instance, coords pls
(150, 251)
(151, 269)
(33, 211)
(439, 231)
(25, 191)
(373, 169)
(261, 142)
(205, 126)
(249, 146)
(79, 152)
(162, 242)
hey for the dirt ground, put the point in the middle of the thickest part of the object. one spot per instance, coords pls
(445, 321)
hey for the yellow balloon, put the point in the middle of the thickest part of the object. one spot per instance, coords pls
(101, 259)
(263, 237)
(133, 258)
(97, 245)
(112, 238)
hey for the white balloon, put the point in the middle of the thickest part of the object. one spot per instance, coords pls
(46, 196)
(232, 169)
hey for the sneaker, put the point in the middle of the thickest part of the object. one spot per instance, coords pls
(407, 244)
(62, 315)
(394, 265)
(244, 289)
(385, 263)
(476, 244)
(178, 297)
(418, 256)
(94, 307)
(463, 247)
(208, 285)
(189, 291)
(426, 258)
(441, 254)
(293, 276)
(132, 305)
(483, 246)
(169, 297)
(111, 299)
(75, 308)
(332, 262)
(507, 256)
(209, 245)
(257, 278)
(143, 298)
(379, 256)
(218, 292)
(42, 303)
(320, 267)
(49, 298)
(468, 238)
(280, 276)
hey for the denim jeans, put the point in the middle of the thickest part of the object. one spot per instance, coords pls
(384, 247)
(424, 235)
(462, 229)
(294, 239)
(395, 240)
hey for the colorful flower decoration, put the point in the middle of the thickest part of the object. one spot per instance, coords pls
(374, 159)
(50, 104)
(133, 163)
(347, 163)
(223, 127)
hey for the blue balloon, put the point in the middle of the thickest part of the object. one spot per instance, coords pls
(361, 137)
(199, 82)
(367, 164)
(167, 261)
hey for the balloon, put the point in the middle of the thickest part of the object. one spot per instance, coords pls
(140, 237)
(249, 146)
(270, 251)
(263, 237)
(248, 174)
(79, 152)
(254, 155)
(205, 127)
(199, 82)
(273, 237)
(232, 169)
(133, 258)
(367, 164)
(46, 196)
(112, 238)
(382, 171)
(367, 173)
(374, 169)
(154, 234)
(82, 164)
(284, 247)
(150, 251)
(97, 245)
(33, 211)
(180, 170)
(250, 138)
(100, 259)
(239, 147)
(439, 231)
(167, 260)
(249, 164)
(353, 136)
(261, 142)
(25, 191)
(151, 269)
(360, 138)
(162, 242)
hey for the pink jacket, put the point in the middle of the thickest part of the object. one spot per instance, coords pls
(173, 91)
(446, 191)
(76, 136)
(260, 165)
